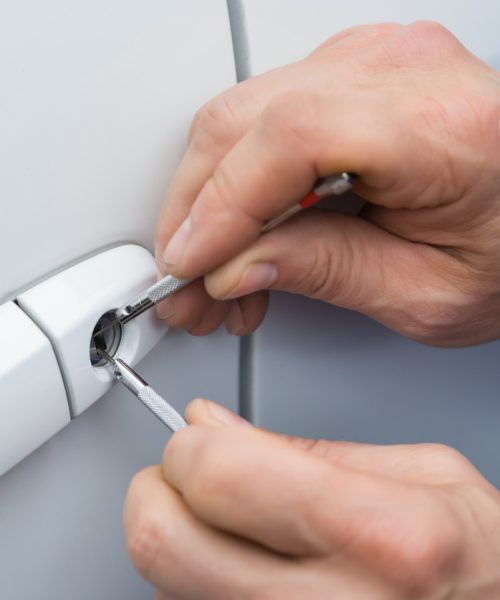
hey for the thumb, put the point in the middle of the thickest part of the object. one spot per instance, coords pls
(410, 463)
(205, 412)
(346, 261)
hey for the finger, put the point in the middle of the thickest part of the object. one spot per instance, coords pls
(186, 307)
(299, 138)
(223, 121)
(428, 464)
(213, 317)
(183, 557)
(255, 485)
(353, 39)
(411, 463)
(205, 412)
(216, 128)
(455, 227)
(235, 322)
(247, 313)
(194, 310)
(349, 262)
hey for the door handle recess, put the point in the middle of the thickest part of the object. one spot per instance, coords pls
(69, 305)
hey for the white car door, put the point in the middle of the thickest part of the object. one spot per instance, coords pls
(95, 105)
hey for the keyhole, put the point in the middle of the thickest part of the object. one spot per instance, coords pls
(105, 336)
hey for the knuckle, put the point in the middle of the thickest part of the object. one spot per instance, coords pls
(419, 554)
(319, 447)
(356, 37)
(144, 536)
(435, 324)
(382, 29)
(430, 322)
(215, 123)
(443, 452)
(331, 278)
(428, 558)
(341, 35)
(422, 43)
(439, 313)
(445, 459)
(222, 188)
(143, 543)
(332, 42)
(436, 549)
(337, 277)
(430, 30)
(322, 276)
(429, 38)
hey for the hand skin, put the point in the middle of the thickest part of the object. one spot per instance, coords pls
(417, 117)
(240, 513)
(236, 512)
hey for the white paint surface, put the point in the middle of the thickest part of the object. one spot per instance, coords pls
(68, 305)
(33, 404)
(95, 105)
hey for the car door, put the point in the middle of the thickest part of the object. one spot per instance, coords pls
(95, 106)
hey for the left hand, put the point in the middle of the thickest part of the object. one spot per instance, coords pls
(416, 117)
(237, 512)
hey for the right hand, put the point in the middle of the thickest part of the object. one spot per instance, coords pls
(321, 519)
(417, 117)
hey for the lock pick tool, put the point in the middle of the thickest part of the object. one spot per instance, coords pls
(333, 185)
(144, 392)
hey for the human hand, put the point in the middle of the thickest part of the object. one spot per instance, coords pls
(237, 512)
(417, 117)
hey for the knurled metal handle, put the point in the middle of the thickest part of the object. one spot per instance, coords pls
(158, 406)
(165, 287)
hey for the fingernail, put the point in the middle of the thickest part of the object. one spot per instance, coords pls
(225, 416)
(258, 276)
(235, 321)
(177, 245)
(166, 308)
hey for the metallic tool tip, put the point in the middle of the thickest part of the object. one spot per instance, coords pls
(109, 359)
(108, 326)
